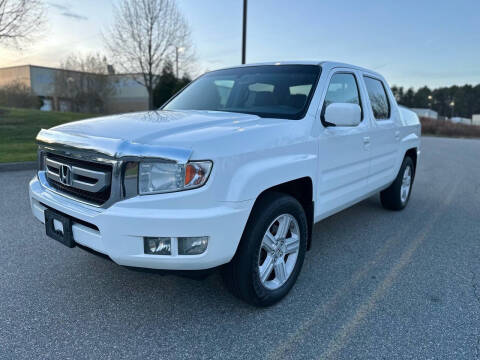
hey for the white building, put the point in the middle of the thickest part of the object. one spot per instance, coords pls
(128, 96)
(476, 119)
(426, 113)
(461, 120)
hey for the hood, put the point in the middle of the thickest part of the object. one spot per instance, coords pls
(199, 134)
(161, 127)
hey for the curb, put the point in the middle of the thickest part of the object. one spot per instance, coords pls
(18, 166)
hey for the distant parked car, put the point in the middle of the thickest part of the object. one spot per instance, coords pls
(232, 171)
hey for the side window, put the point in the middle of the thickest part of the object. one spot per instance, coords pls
(378, 98)
(343, 88)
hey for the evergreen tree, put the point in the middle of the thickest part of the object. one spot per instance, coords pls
(168, 85)
(466, 99)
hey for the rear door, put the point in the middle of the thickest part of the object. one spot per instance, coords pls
(384, 135)
(344, 151)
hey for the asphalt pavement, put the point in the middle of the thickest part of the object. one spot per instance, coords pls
(376, 285)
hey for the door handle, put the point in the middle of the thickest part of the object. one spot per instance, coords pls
(366, 143)
(397, 135)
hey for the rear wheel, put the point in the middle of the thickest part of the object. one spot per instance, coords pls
(396, 196)
(271, 251)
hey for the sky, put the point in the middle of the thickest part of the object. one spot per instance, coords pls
(411, 42)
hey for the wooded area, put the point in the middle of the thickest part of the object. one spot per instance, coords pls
(463, 101)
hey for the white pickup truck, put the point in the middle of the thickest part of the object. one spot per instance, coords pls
(234, 170)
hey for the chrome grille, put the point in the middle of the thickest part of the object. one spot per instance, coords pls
(88, 181)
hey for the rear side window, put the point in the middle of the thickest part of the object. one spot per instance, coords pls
(378, 98)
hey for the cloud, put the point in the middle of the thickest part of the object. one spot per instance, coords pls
(73, 15)
(381, 66)
(58, 6)
(66, 10)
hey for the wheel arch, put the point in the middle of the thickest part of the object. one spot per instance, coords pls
(412, 153)
(302, 190)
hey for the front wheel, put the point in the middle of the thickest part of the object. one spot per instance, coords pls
(271, 251)
(396, 196)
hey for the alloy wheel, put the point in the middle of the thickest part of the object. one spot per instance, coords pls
(279, 251)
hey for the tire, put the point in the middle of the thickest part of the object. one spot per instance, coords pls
(256, 256)
(394, 197)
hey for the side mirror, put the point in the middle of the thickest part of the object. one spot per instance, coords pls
(343, 114)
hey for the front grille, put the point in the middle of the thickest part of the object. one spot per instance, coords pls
(84, 180)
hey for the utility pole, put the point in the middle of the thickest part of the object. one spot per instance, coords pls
(244, 33)
(176, 62)
(177, 51)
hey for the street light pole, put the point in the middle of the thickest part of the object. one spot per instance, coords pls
(244, 33)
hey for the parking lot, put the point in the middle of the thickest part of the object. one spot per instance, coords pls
(376, 284)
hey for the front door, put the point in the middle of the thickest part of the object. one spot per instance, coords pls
(344, 152)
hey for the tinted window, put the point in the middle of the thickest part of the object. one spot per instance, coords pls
(378, 98)
(342, 89)
(224, 87)
(281, 91)
(300, 89)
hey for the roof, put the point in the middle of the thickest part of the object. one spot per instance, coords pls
(48, 68)
(13, 67)
(68, 70)
(325, 64)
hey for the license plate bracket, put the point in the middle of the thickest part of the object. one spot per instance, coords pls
(64, 235)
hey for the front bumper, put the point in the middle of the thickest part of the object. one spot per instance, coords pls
(122, 226)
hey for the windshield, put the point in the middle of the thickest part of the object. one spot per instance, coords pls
(279, 91)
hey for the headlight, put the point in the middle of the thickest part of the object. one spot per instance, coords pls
(162, 177)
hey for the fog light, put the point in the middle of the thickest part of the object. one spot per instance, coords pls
(192, 245)
(157, 245)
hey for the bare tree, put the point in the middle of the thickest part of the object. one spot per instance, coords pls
(20, 20)
(17, 94)
(91, 63)
(84, 83)
(144, 35)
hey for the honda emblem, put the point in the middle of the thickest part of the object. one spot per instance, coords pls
(66, 175)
